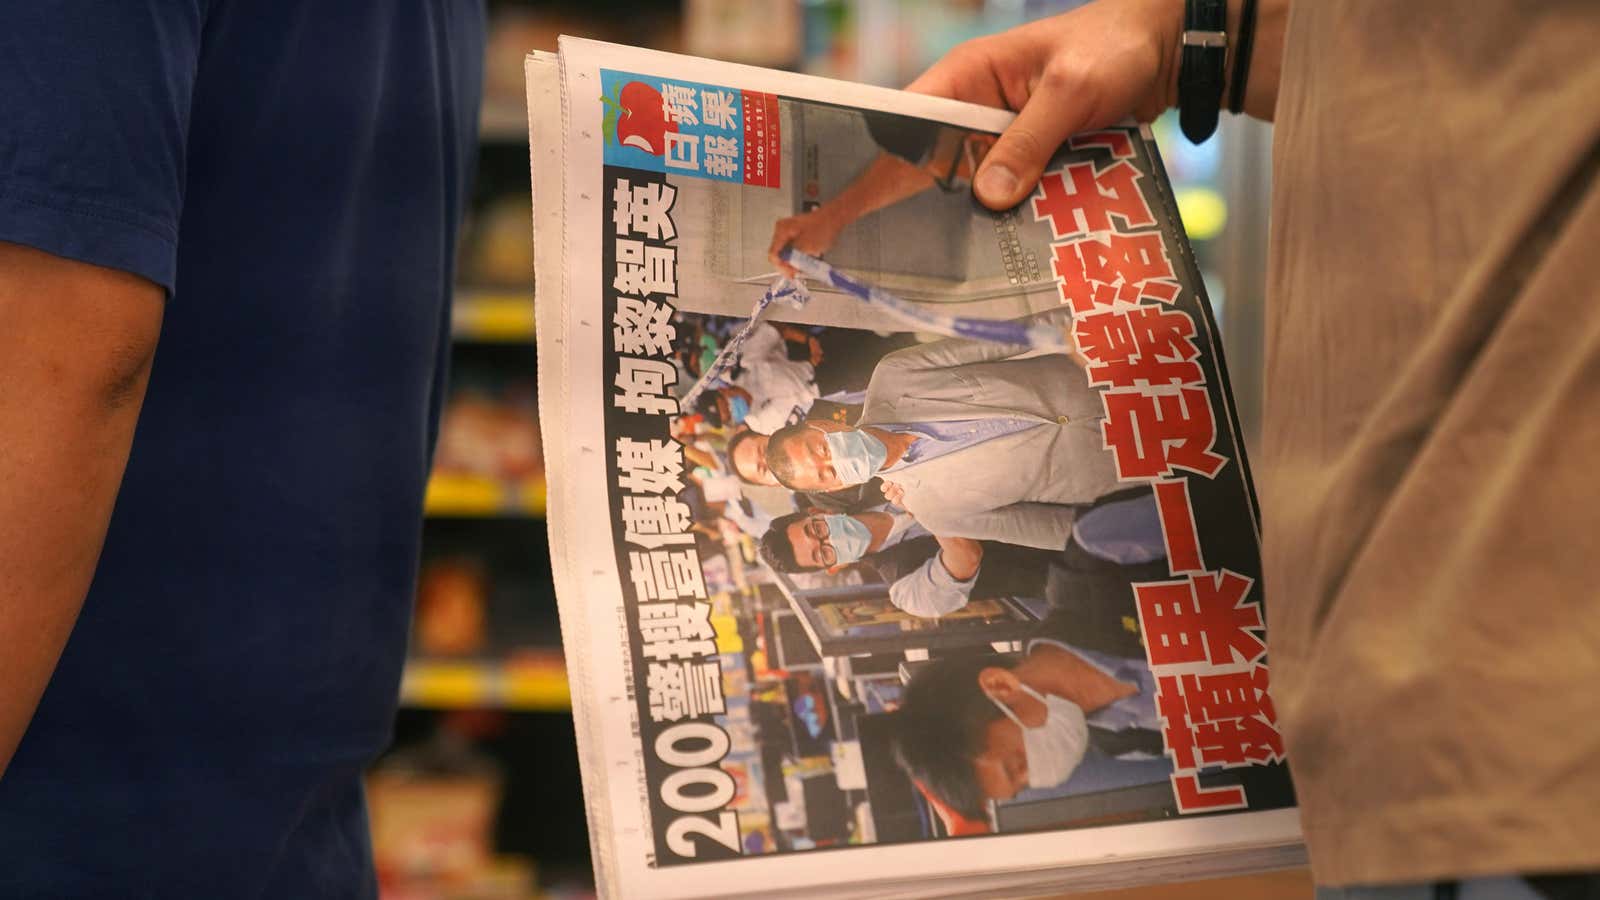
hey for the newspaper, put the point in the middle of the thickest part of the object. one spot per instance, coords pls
(884, 525)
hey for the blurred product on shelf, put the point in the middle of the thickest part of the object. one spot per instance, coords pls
(452, 601)
(755, 32)
(489, 459)
(498, 251)
(433, 811)
(496, 436)
(890, 42)
(515, 29)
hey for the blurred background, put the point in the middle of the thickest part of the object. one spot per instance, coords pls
(480, 799)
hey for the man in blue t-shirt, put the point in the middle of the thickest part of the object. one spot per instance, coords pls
(226, 240)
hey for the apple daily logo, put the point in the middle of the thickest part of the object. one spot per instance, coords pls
(636, 116)
(688, 128)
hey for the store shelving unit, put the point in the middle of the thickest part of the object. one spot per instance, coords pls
(536, 682)
(485, 706)
(478, 497)
(503, 121)
(493, 316)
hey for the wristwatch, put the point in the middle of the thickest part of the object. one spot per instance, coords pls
(1201, 70)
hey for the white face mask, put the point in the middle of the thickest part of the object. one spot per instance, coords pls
(849, 537)
(1054, 749)
(856, 455)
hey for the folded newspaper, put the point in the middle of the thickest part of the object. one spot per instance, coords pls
(903, 548)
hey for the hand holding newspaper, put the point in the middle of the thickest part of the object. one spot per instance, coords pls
(931, 571)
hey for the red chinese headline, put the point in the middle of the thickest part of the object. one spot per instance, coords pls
(1112, 269)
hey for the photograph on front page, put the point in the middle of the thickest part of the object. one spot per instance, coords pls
(883, 583)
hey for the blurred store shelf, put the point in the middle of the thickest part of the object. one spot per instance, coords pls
(493, 316)
(452, 495)
(503, 122)
(529, 682)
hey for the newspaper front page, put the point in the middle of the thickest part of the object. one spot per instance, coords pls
(946, 540)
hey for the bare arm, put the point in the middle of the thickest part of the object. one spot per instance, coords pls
(1066, 674)
(1085, 69)
(887, 181)
(944, 581)
(76, 342)
(960, 556)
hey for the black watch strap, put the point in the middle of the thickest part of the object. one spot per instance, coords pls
(1204, 64)
(1243, 39)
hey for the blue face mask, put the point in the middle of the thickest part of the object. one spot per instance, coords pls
(738, 408)
(849, 537)
(856, 455)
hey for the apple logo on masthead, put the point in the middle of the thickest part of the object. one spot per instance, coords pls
(636, 117)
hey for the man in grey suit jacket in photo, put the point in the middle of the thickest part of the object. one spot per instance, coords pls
(977, 440)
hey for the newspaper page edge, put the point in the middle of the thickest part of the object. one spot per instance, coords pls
(547, 118)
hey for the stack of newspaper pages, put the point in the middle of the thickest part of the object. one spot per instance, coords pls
(903, 548)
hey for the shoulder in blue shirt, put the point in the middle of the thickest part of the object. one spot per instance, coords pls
(292, 172)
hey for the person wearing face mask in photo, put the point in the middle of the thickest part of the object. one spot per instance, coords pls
(980, 440)
(726, 407)
(1114, 544)
(747, 458)
(972, 730)
(942, 583)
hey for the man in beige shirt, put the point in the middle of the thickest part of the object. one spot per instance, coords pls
(1430, 504)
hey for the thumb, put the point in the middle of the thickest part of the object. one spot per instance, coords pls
(1054, 111)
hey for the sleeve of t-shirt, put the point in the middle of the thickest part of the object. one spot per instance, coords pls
(94, 117)
(910, 139)
(931, 591)
(768, 416)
